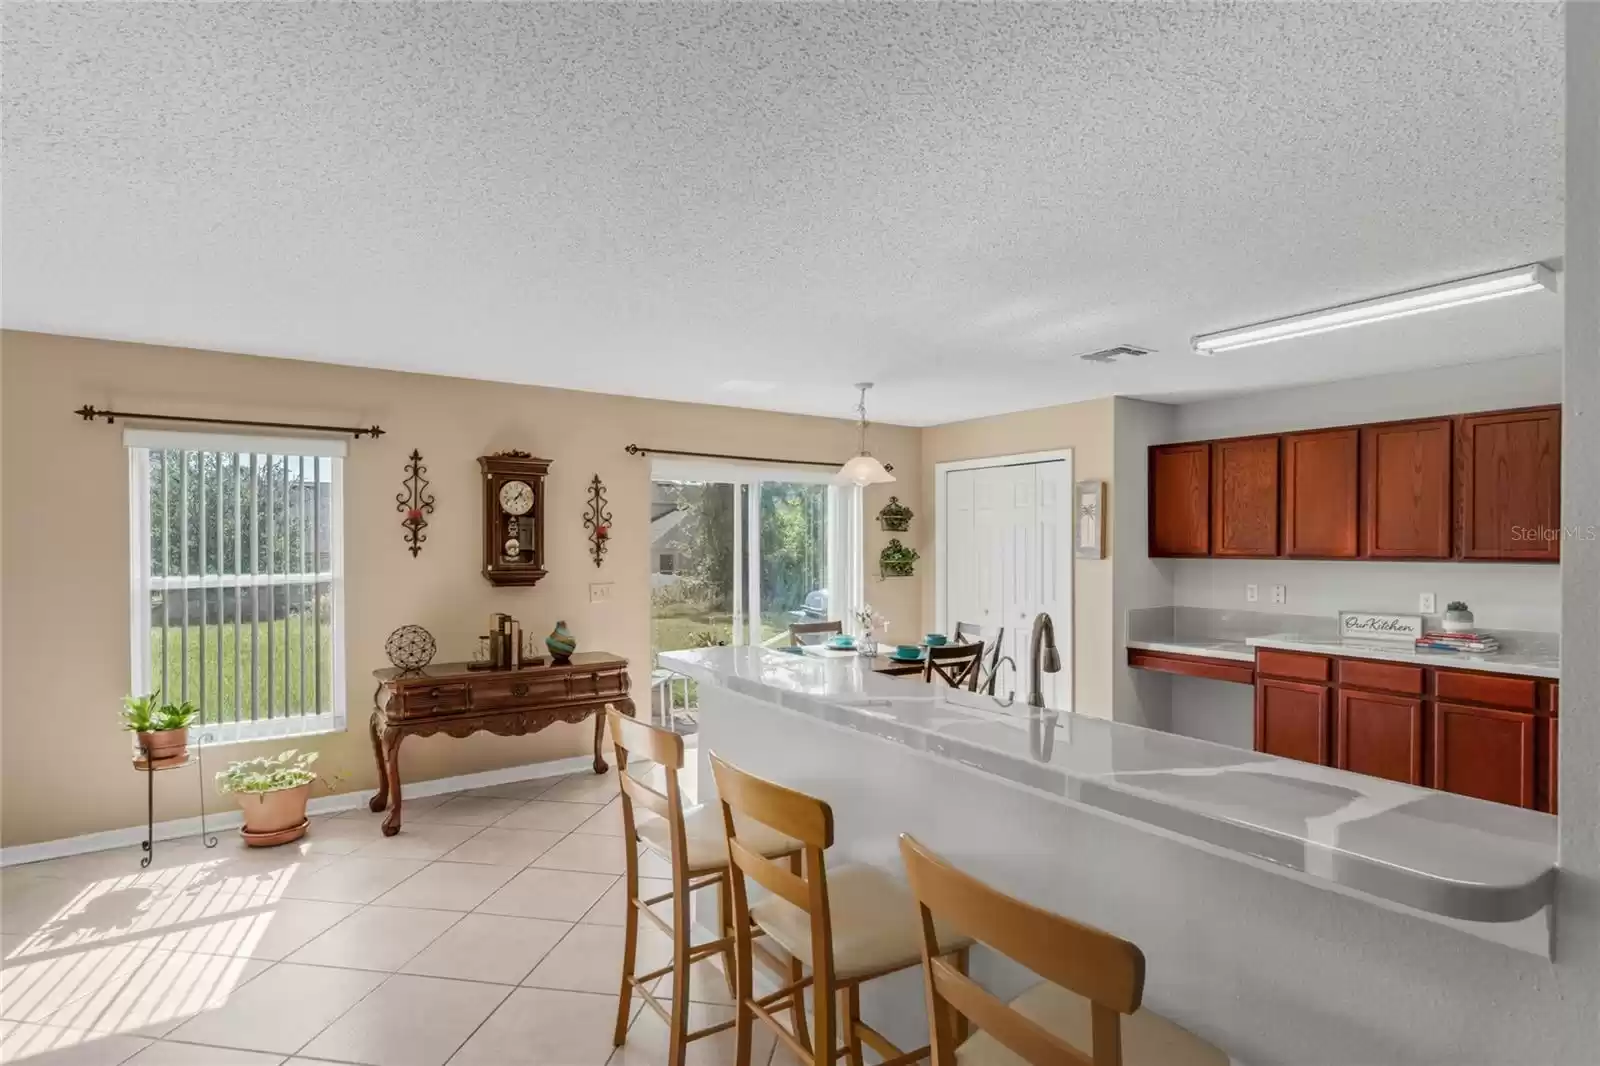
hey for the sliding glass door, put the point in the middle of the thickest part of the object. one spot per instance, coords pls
(740, 553)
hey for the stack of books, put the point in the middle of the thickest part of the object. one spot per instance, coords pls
(1472, 642)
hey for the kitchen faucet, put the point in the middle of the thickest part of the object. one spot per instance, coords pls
(1044, 639)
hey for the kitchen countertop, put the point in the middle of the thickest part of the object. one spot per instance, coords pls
(1504, 662)
(1432, 851)
(1210, 649)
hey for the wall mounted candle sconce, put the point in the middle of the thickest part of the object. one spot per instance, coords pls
(414, 503)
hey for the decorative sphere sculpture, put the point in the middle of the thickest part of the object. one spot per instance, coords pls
(410, 647)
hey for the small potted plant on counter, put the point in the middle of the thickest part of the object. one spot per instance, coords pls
(162, 729)
(1457, 618)
(272, 791)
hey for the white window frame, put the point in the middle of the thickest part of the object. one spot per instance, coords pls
(139, 443)
(845, 547)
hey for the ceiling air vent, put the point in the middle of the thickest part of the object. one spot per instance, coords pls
(1114, 355)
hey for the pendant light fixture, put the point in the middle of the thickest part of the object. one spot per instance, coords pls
(863, 470)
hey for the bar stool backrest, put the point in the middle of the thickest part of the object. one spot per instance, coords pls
(1106, 970)
(634, 739)
(810, 821)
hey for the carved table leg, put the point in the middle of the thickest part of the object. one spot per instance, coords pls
(391, 758)
(381, 800)
(626, 707)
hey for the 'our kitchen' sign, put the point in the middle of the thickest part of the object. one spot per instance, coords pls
(1362, 625)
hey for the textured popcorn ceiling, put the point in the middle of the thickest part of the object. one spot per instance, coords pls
(759, 205)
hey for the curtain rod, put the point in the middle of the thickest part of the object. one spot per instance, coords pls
(634, 449)
(89, 414)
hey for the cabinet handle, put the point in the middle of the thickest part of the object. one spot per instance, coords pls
(519, 690)
(433, 693)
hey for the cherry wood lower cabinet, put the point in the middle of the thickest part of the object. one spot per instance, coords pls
(1292, 719)
(1379, 734)
(1484, 752)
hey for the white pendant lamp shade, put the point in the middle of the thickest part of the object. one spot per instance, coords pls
(863, 470)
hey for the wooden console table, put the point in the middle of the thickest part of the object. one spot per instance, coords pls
(450, 698)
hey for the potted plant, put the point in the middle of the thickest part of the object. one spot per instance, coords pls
(1457, 617)
(895, 516)
(162, 729)
(272, 793)
(897, 560)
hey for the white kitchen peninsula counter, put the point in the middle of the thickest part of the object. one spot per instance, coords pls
(1245, 878)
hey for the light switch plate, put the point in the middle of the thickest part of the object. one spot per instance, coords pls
(600, 593)
(1280, 594)
(1251, 594)
(1425, 603)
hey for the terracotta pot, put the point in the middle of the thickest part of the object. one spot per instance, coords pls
(274, 817)
(165, 744)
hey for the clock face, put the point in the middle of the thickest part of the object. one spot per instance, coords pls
(516, 497)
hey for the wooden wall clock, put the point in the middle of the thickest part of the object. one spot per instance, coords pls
(513, 517)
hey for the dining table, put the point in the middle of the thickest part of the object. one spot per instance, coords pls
(882, 663)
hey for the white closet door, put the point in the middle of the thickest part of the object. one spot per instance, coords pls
(990, 516)
(1020, 554)
(961, 595)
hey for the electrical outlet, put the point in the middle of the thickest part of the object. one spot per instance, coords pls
(600, 593)
(1279, 594)
(1251, 594)
(1425, 603)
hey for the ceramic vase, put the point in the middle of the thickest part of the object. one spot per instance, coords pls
(561, 644)
(1458, 622)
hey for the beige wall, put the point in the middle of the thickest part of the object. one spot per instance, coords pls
(64, 537)
(1086, 428)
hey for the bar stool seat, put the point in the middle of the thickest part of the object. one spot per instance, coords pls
(707, 844)
(874, 921)
(1148, 1039)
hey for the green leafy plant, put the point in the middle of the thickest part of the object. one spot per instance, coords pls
(270, 773)
(1457, 605)
(139, 713)
(146, 714)
(897, 560)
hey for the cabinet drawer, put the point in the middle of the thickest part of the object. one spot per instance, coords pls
(510, 692)
(1498, 690)
(431, 699)
(1384, 677)
(1299, 666)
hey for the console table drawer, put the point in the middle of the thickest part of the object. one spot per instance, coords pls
(503, 691)
(432, 699)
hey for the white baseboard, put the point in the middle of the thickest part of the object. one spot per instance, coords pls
(231, 819)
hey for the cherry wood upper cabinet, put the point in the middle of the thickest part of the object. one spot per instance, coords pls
(1320, 477)
(1293, 720)
(1180, 495)
(1484, 752)
(1510, 485)
(1405, 489)
(1244, 497)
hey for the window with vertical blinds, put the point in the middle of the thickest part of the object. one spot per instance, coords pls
(237, 565)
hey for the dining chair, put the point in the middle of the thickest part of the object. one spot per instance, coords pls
(813, 632)
(1086, 1011)
(849, 925)
(993, 639)
(957, 664)
(692, 842)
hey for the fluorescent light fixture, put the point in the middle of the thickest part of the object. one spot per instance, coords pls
(1534, 277)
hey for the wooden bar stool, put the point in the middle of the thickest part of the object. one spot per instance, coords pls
(692, 841)
(850, 924)
(1085, 1013)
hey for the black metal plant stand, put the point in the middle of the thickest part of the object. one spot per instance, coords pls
(150, 769)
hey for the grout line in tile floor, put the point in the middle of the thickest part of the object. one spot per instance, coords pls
(383, 975)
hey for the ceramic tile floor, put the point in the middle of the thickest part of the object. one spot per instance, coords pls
(488, 933)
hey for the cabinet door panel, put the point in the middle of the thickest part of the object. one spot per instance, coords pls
(1405, 489)
(1292, 720)
(1244, 497)
(1510, 485)
(1379, 734)
(1180, 499)
(1484, 752)
(1319, 494)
